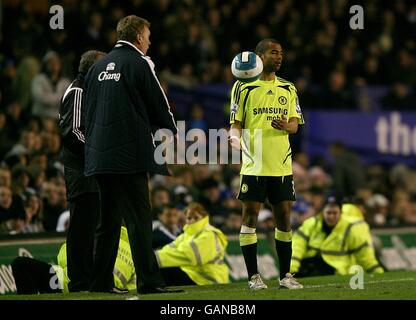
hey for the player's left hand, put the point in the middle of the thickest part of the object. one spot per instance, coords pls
(280, 123)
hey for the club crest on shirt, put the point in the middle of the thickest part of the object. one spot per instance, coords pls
(282, 100)
(110, 67)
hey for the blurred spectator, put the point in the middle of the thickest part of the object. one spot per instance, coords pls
(302, 208)
(26, 71)
(319, 178)
(402, 208)
(376, 179)
(94, 31)
(27, 145)
(5, 177)
(266, 224)
(197, 120)
(210, 199)
(365, 193)
(53, 205)
(184, 191)
(182, 196)
(12, 214)
(337, 95)
(166, 228)
(300, 176)
(34, 216)
(379, 210)
(308, 99)
(16, 119)
(5, 203)
(48, 87)
(233, 223)
(6, 141)
(317, 199)
(265, 220)
(400, 97)
(405, 69)
(160, 197)
(20, 179)
(347, 170)
(403, 177)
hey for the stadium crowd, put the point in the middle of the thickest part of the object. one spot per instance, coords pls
(322, 53)
(320, 56)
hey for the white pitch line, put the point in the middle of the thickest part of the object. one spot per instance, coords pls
(365, 282)
(307, 286)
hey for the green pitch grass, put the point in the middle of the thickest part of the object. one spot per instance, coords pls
(391, 285)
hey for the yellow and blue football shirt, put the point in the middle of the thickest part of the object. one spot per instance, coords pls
(265, 150)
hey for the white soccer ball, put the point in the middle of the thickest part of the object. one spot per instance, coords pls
(247, 66)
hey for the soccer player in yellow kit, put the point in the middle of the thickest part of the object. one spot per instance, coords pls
(263, 114)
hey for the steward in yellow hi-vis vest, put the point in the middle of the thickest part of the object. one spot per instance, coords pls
(197, 255)
(353, 214)
(331, 243)
(124, 272)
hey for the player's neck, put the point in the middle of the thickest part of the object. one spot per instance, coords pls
(267, 76)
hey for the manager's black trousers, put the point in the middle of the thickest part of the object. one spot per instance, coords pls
(124, 197)
(84, 211)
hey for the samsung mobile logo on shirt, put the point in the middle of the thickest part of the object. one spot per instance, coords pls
(105, 75)
(257, 111)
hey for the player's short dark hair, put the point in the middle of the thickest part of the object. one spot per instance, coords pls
(128, 27)
(88, 58)
(264, 44)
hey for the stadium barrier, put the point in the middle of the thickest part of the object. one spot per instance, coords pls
(396, 248)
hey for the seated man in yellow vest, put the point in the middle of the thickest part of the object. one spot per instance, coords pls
(331, 243)
(197, 255)
(33, 276)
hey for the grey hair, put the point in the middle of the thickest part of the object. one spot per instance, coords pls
(88, 58)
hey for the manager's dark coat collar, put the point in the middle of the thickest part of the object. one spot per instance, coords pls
(124, 42)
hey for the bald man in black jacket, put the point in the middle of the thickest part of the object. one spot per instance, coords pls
(124, 101)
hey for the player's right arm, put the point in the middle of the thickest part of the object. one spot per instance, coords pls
(236, 114)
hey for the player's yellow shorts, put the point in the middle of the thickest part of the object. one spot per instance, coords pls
(275, 189)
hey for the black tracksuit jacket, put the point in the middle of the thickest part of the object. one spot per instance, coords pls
(124, 104)
(71, 127)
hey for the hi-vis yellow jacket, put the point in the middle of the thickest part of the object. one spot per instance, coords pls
(199, 252)
(347, 245)
(124, 272)
(353, 214)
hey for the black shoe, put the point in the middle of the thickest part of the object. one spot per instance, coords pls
(147, 290)
(116, 290)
